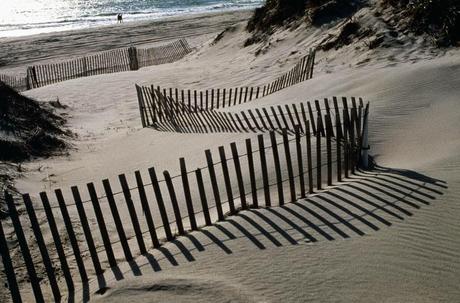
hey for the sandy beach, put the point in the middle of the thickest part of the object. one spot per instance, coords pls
(51, 47)
(391, 234)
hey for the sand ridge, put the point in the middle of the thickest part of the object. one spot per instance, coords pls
(414, 112)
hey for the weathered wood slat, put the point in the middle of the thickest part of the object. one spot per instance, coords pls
(228, 185)
(276, 159)
(204, 201)
(33, 278)
(188, 196)
(132, 213)
(57, 243)
(8, 267)
(87, 230)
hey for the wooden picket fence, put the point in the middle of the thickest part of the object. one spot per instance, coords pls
(16, 82)
(292, 163)
(176, 118)
(154, 102)
(111, 61)
(163, 54)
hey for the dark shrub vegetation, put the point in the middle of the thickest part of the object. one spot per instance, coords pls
(279, 12)
(27, 128)
(439, 18)
(276, 12)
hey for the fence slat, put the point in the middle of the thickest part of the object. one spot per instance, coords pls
(312, 120)
(215, 187)
(327, 119)
(86, 230)
(338, 138)
(188, 196)
(252, 175)
(239, 175)
(319, 130)
(42, 247)
(276, 159)
(8, 267)
(309, 160)
(71, 234)
(57, 242)
(160, 202)
(102, 225)
(24, 248)
(146, 209)
(345, 140)
(117, 220)
(175, 205)
(287, 153)
(228, 185)
(263, 164)
(320, 118)
(204, 201)
(300, 161)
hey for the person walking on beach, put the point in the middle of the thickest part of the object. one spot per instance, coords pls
(120, 18)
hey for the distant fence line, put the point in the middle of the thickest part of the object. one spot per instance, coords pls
(112, 61)
(296, 166)
(152, 100)
(16, 82)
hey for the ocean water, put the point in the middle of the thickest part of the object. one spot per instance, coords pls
(27, 17)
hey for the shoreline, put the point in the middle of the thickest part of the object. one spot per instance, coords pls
(17, 52)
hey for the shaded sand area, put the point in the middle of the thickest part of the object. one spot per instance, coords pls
(391, 234)
(268, 255)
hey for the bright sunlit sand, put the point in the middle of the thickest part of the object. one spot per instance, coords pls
(389, 232)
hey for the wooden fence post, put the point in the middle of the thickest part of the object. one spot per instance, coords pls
(287, 153)
(252, 175)
(146, 209)
(300, 161)
(215, 187)
(327, 120)
(188, 196)
(351, 130)
(132, 213)
(228, 185)
(345, 142)
(102, 225)
(24, 248)
(239, 175)
(117, 220)
(320, 118)
(160, 202)
(86, 230)
(312, 120)
(279, 177)
(57, 242)
(338, 139)
(175, 205)
(365, 141)
(263, 164)
(319, 130)
(133, 61)
(309, 159)
(204, 201)
(50, 272)
(8, 266)
(70, 233)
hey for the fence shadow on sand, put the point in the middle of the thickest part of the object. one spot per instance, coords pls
(368, 202)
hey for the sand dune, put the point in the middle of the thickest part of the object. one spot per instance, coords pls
(390, 234)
